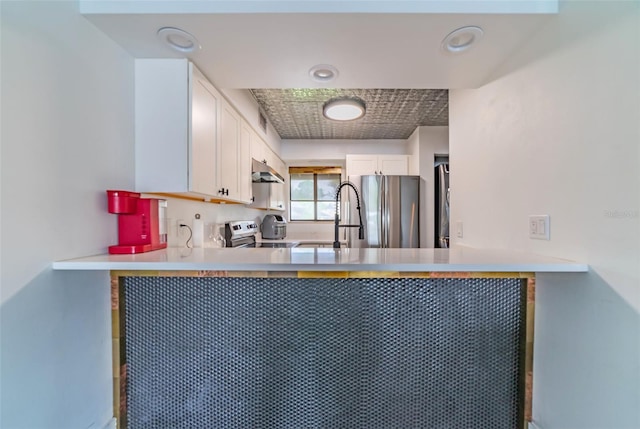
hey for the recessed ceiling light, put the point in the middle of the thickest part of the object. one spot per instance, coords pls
(323, 73)
(461, 39)
(343, 109)
(179, 40)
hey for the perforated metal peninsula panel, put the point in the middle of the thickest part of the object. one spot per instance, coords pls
(324, 353)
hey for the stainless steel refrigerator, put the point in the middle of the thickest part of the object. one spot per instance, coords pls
(390, 207)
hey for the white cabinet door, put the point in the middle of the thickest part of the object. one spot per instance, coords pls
(244, 161)
(268, 196)
(269, 156)
(261, 195)
(257, 147)
(176, 128)
(281, 168)
(276, 200)
(228, 152)
(361, 165)
(393, 165)
(203, 158)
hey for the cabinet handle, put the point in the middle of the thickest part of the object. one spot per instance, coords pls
(223, 191)
(264, 161)
(253, 199)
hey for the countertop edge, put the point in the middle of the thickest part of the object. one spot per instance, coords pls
(419, 260)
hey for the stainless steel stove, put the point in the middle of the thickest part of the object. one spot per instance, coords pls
(242, 233)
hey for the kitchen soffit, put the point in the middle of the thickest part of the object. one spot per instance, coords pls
(390, 113)
(270, 47)
(371, 50)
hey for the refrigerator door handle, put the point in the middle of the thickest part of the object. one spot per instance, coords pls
(384, 213)
(380, 224)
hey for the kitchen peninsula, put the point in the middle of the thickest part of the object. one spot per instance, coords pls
(376, 338)
(461, 259)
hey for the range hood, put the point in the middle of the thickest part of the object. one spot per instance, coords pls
(262, 173)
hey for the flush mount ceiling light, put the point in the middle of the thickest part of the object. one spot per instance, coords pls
(461, 39)
(179, 40)
(323, 73)
(343, 109)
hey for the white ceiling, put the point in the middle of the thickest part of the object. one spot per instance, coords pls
(370, 50)
(375, 45)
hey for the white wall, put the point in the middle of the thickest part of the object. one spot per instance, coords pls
(210, 214)
(67, 135)
(431, 141)
(217, 214)
(413, 149)
(314, 150)
(559, 135)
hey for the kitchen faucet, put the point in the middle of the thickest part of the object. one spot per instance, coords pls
(336, 242)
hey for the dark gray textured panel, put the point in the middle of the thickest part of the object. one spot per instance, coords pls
(323, 353)
(390, 113)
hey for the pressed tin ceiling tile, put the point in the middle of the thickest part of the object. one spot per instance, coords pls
(390, 113)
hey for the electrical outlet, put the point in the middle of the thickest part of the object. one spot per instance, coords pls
(181, 231)
(539, 227)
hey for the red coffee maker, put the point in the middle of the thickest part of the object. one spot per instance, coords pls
(142, 222)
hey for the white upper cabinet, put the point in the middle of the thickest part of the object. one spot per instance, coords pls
(276, 200)
(203, 156)
(269, 196)
(176, 128)
(260, 151)
(360, 165)
(228, 150)
(188, 139)
(244, 169)
(393, 165)
(258, 147)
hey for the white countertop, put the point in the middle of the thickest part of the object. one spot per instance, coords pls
(326, 259)
(298, 240)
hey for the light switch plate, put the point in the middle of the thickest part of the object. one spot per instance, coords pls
(459, 231)
(539, 227)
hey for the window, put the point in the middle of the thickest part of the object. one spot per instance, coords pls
(313, 192)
